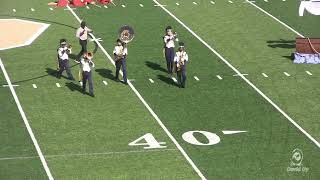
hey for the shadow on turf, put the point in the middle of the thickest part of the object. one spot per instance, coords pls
(291, 57)
(285, 44)
(167, 80)
(74, 87)
(49, 72)
(155, 66)
(106, 73)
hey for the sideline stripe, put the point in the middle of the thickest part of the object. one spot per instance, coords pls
(148, 107)
(284, 24)
(243, 77)
(26, 122)
(85, 154)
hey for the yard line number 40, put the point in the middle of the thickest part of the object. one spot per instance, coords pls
(150, 142)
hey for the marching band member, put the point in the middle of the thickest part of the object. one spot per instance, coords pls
(105, 1)
(59, 3)
(87, 64)
(81, 3)
(80, 68)
(120, 53)
(63, 59)
(82, 34)
(169, 39)
(181, 60)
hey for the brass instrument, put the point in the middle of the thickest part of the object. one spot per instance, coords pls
(126, 34)
(89, 55)
(180, 62)
(69, 49)
(120, 55)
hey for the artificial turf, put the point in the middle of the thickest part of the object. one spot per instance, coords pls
(66, 123)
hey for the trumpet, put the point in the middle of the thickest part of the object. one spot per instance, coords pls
(69, 49)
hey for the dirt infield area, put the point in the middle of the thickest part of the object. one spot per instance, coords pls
(17, 32)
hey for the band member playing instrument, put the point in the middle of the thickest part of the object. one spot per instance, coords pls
(120, 53)
(63, 59)
(87, 64)
(169, 39)
(181, 60)
(82, 34)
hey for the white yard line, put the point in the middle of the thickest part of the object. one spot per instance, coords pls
(165, 129)
(85, 154)
(6, 85)
(243, 77)
(34, 86)
(26, 122)
(242, 74)
(284, 24)
(196, 78)
(58, 85)
(105, 83)
(151, 80)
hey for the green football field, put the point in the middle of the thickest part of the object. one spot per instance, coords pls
(246, 110)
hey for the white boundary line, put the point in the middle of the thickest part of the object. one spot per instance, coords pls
(284, 24)
(33, 37)
(26, 122)
(148, 107)
(84, 154)
(243, 77)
